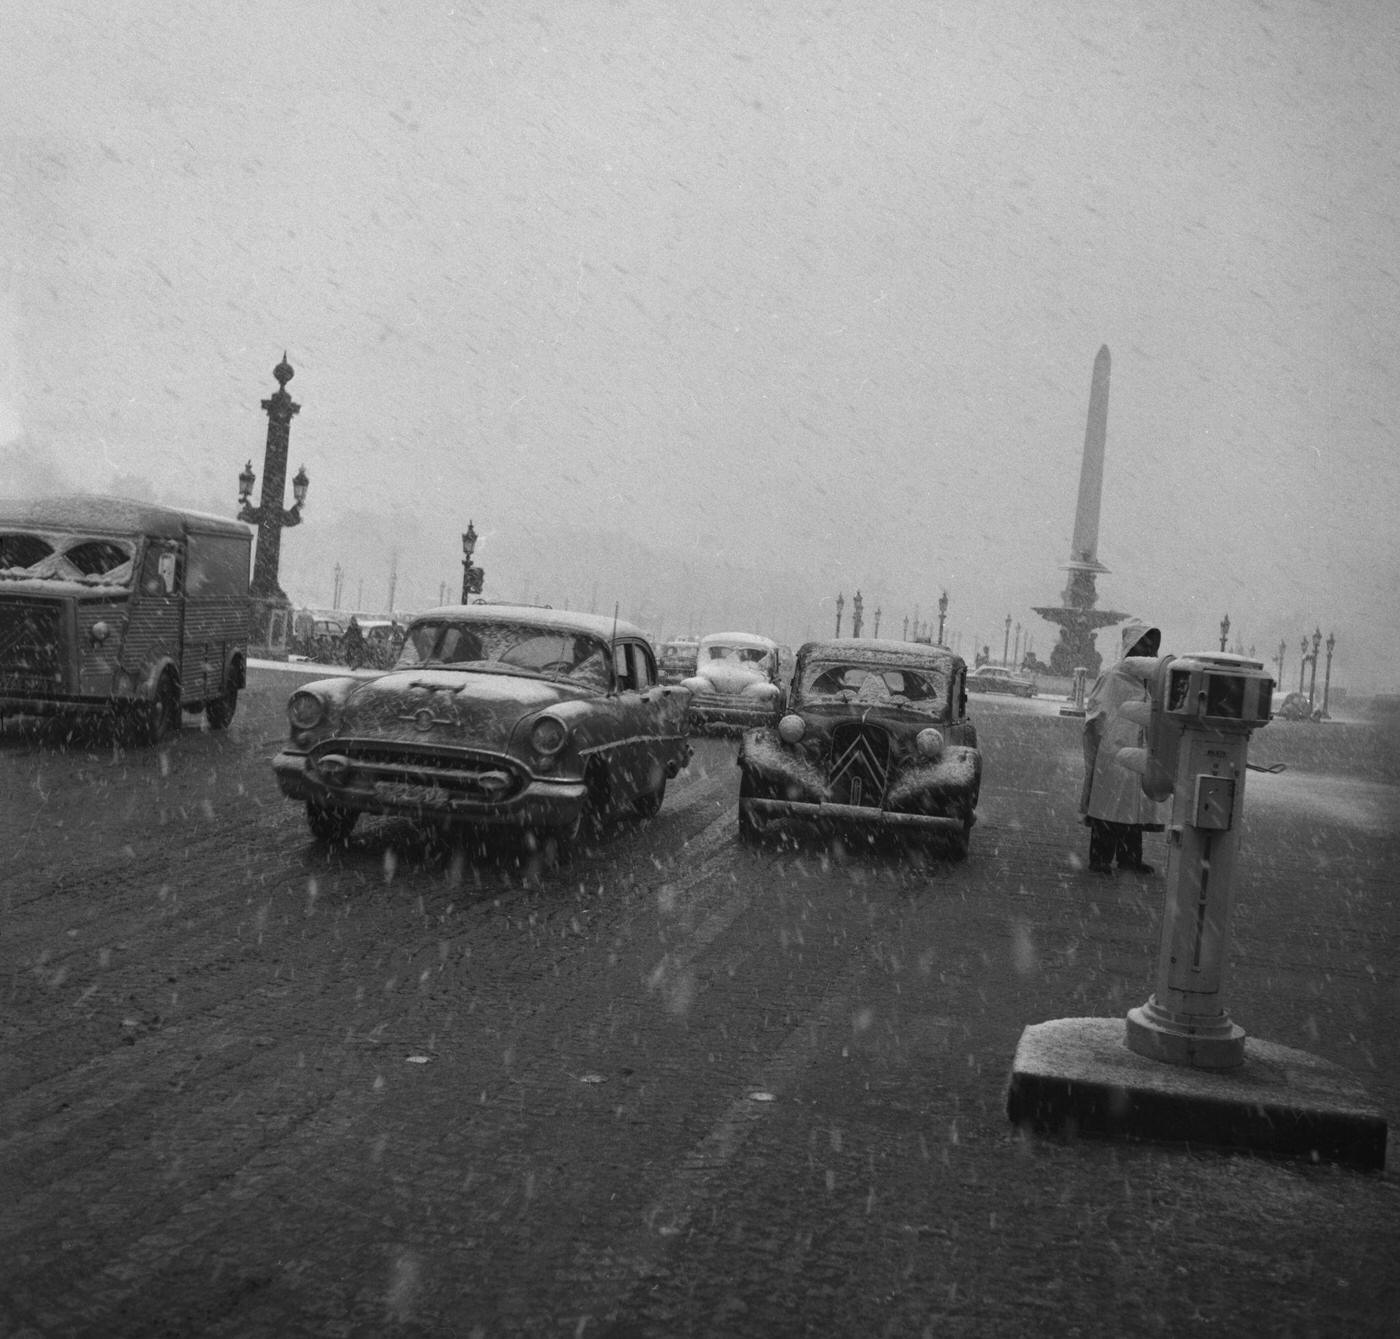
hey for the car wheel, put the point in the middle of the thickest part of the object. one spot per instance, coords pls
(588, 826)
(330, 823)
(648, 806)
(749, 830)
(153, 722)
(959, 843)
(219, 711)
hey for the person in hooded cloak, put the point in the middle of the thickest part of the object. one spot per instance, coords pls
(1112, 801)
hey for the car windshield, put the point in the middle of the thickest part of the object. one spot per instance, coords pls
(507, 648)
(738, 655)
(26, 555)
(922, 689)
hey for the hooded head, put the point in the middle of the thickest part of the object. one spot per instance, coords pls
(1139, 639)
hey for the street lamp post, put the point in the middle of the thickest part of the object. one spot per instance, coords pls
(1327, 680)
(1303, 666)
(906, 627)
(840, 607)
(1224, 630)
(1282, 647)
(942, 614)
(877, 620)
(271, 605)
(1312, 682)
(1006, 641)
(473, 578)
(856, 606)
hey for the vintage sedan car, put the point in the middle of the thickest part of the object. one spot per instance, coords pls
(875, 737)
(997, 679)
(493, 716)
(676, 659)
(737, 681)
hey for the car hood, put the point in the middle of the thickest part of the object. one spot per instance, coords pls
(458, 706)
(723, 677)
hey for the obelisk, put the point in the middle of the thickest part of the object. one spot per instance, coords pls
(1076, 617)
(1084, 548)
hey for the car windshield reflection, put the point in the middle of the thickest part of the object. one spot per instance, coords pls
(839, 681)
(506, 648)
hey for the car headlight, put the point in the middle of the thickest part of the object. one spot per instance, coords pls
(791, 729)
(929, 743)
(548, 736)
(100, 632)
(305, 711)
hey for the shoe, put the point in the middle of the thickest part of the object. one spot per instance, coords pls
(1139, 868)
(1098, 867)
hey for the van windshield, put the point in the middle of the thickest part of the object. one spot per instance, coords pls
(45, 555)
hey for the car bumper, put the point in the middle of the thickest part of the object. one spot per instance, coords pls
(541, 804)
(761, 811)
(733, 712)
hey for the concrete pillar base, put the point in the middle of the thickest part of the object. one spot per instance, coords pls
(1185, 1039)
(1077, 1076)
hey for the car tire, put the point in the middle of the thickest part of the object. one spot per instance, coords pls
(152, 722)
(958, 845)
(750, 832)
(219, 711)
(649, 805)
(330, 823)
(587, 828)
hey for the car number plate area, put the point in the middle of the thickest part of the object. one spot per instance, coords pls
(407, 792)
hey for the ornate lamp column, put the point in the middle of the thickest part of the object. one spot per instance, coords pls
(877, 620)
(906, 627)
(473, 578)
(1303, 667)
(856, 605)
(1327, 681)
(942, 614)
(1006, 641)
(270, 603)
(1224, 631)
(1282, 647)
(1312, 683)
(840, 606)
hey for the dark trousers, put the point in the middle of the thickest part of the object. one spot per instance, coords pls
(1114, 841)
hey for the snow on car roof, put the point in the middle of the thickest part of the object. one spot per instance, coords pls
(95, 512)
(886, 650)
(738, 639)
(602, 626)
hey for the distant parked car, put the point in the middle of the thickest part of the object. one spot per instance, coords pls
(875, 737)
(675, 660)
(494, 716)
(1294, 707)
(995, 679)
(737, 681)
(382, 639)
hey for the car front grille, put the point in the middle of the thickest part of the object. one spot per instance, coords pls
(359, 763)
(29, 649)
(860, 764)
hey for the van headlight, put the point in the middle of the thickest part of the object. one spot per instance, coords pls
(791, 728)
(100, 631)
(929, 743)
(305, 711)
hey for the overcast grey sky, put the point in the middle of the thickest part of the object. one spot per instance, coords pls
(809, 287)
